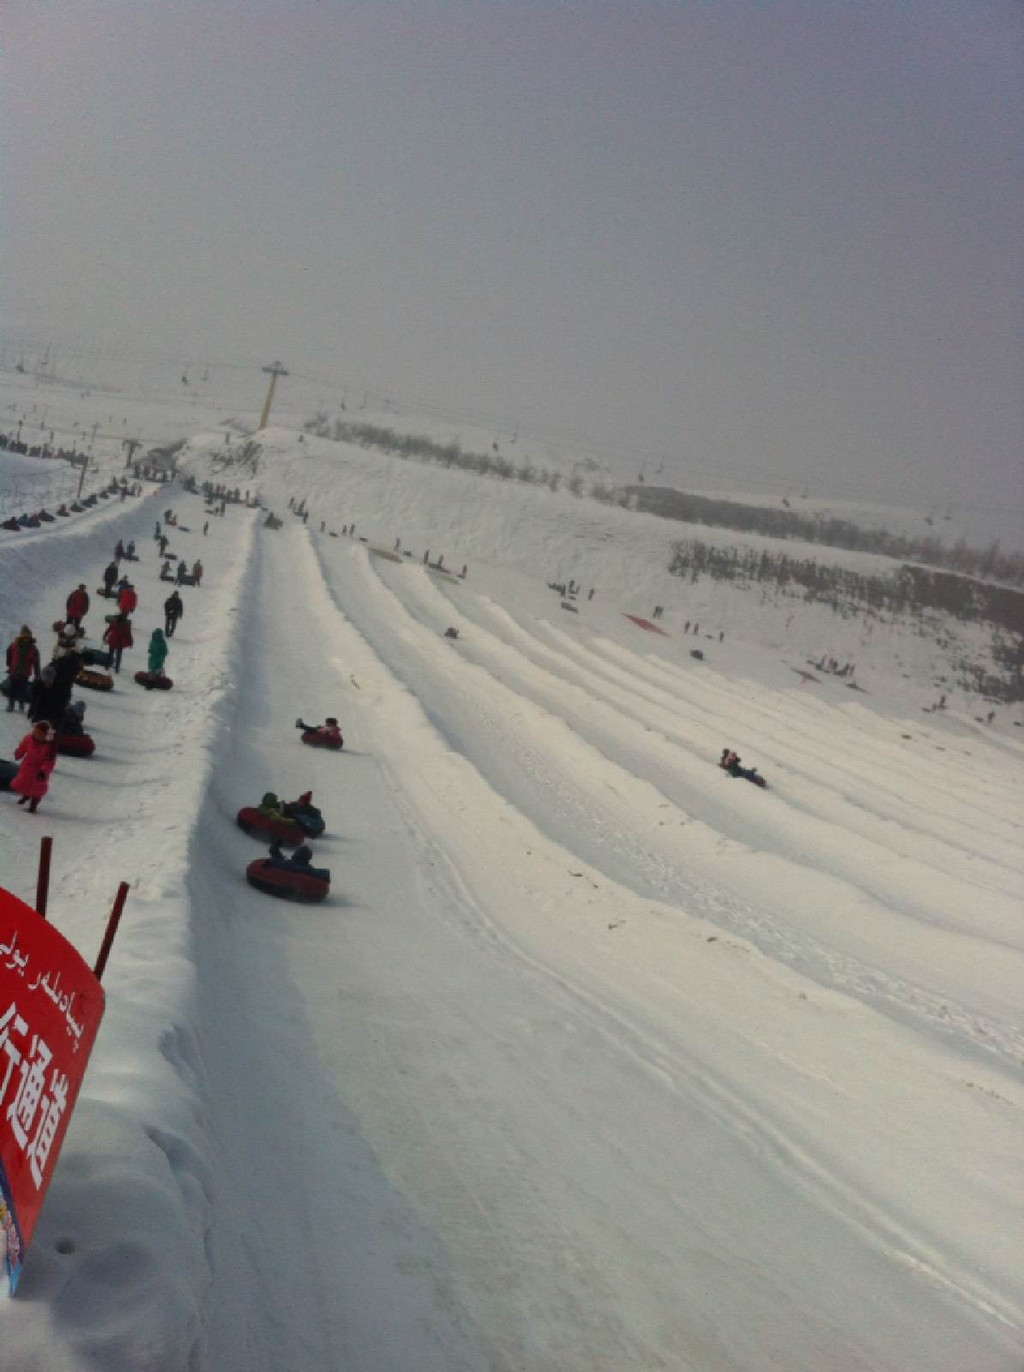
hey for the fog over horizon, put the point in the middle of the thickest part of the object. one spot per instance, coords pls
(775, 242)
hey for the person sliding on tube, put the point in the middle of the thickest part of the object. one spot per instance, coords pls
(299, 861)
(329, 731)
(271, 807)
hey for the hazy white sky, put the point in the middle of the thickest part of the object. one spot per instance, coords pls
(778, 239)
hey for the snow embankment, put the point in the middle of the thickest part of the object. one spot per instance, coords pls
(119, 1270)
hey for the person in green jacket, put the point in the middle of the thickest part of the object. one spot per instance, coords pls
(157, 652)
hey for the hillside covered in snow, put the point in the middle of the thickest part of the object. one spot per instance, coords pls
(595, 1057)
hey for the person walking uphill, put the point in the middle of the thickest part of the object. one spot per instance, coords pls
(78, 605)
(22, 665)
(37, 753)
(128, 600)
(118, 637)
(174, 608)
(157, 652)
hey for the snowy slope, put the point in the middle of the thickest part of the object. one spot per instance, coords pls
(596, 1057)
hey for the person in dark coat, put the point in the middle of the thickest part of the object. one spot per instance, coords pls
(65, 668)
(22, 666)
(118, 637)
(174, 608)
(78, 605)
(182, 573)
(43, 697)
(109, 576)
(73, 720)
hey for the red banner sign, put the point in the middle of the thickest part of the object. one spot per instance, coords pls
(50, 1009)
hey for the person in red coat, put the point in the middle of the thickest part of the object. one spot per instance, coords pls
(118, 637)
(127, 601)
(38, 754)
(78, 606)
(22, 666)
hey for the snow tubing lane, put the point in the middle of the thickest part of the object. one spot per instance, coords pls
(315, 741)
(154, 681)
(95, 681)
(75, 745)
(288, 833)
(285, 885)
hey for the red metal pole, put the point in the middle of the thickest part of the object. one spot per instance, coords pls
(43, 880)
(112, 923)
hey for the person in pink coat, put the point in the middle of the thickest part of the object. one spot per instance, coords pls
(38, 754)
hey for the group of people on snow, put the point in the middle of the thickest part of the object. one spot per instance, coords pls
(44, 692)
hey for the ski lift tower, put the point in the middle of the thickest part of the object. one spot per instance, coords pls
(274, 372)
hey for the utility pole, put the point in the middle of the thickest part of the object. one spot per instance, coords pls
(85, 461)
(273, 372)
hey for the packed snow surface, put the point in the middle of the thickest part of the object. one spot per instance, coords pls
(596, 1057)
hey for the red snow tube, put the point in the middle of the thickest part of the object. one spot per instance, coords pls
(316, 740)
(154, 681)
(75, 745)
(96, 681)
(286, 832)
(286, 884)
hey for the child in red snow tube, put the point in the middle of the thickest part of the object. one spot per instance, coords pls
(326, 735)
(268, 820)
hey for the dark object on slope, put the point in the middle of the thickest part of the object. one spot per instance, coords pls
(289, 878)
(154, 681)
(451, 632)
(8, 771)
(97, 657)
(75, 745)
(567, 605)
(697, 653)
(316, 740)
(94, 681)
(730, 762)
